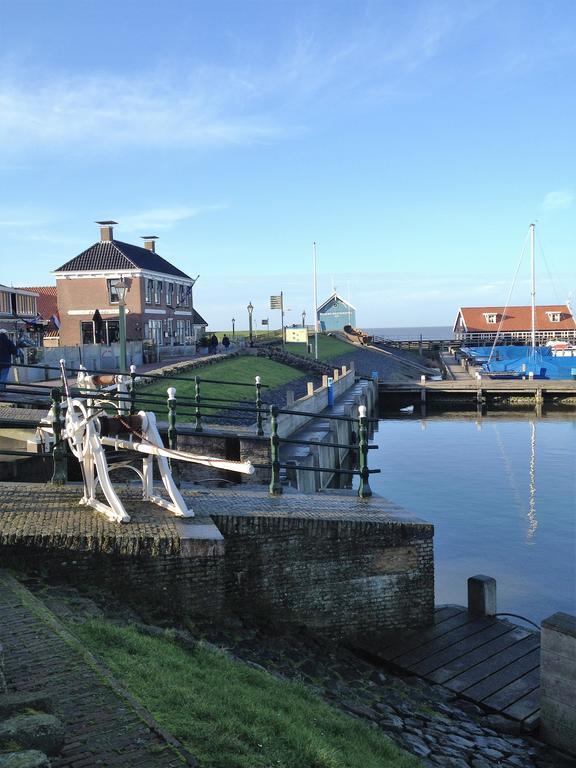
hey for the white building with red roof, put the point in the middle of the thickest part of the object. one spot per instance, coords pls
(481, 325)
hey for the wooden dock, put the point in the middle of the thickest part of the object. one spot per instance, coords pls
(488, 661)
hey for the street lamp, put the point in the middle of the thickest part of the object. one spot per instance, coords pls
(303, 318)
(121, 289)
(250, 309)
(233, 329)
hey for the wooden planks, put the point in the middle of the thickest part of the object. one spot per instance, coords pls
(487, 660)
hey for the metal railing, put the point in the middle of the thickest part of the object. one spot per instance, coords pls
(196, 407)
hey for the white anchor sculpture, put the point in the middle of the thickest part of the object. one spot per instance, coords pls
(88, 428)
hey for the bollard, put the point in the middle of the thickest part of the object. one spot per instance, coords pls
(197, 414)
(482, 596)
(275, 486)
(309, 388)
(132, 390)
(557, 681)
(364, 490)
(173, 434)
(59, 451)
(259, 429)
(330, 391)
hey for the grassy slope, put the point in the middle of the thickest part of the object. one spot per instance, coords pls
(233, 716)
(328, 347)
(237, 369)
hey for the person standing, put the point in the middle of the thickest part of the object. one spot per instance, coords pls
(7, 349)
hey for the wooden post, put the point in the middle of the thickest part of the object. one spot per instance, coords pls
(558, 681)
(481, 596)
(309, 388)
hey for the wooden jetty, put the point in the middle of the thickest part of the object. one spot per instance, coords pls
(487, 660)
(462, 389)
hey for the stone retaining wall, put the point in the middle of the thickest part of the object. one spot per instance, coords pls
(333, 563)
(336, 577)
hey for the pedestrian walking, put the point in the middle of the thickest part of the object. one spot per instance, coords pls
(225, 342)
(7, 349)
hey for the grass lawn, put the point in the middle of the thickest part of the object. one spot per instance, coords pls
(237, 369)
(233, 716)
(328, 347)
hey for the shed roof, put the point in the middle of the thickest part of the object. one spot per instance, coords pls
(335, 297)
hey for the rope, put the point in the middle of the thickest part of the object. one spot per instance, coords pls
(517, 616)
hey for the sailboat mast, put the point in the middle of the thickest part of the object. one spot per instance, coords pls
(533, 291)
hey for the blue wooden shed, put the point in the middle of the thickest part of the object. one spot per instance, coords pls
(335, 313)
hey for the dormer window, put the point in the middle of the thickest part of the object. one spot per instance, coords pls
(554, 317)
(491, 317)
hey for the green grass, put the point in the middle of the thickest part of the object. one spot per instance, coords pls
(230, 715)
(237, 369)
(328, 347)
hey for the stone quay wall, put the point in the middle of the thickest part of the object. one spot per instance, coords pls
(337, 577)
(334, 564)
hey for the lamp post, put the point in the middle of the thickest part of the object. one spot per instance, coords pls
(121, 289)
(233, 329)
(250, 309)
(303, 318)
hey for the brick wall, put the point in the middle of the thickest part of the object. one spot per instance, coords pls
(339, 578)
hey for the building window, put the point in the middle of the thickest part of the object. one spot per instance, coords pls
(158, 293)
(149, 291)
(490, 317)
(554, 317)
(25, 305)
(180, 295)
(5, 304)
(108, 333)
(170, 294)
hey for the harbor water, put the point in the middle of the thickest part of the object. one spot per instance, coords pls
(501, 493)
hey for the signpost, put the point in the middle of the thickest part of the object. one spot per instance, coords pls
(277, 302)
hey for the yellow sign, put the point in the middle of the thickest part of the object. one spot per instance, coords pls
(299, 335)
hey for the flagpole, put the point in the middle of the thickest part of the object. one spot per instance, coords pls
(315, 307)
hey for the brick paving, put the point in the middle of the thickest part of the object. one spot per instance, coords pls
(51, 516)
(104, 726)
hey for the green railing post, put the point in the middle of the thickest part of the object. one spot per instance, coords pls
(132, 390)
(275, 486)
(59, 451)
(259, 429)
(364, 490)
(197, 413)
(173, 434)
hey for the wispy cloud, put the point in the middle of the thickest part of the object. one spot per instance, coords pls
(163, 218)
(110, 111)
(559, 199)
(250, 100)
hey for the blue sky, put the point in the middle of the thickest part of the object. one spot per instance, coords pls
(414, 141)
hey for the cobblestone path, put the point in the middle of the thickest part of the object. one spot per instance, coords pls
(103, 727)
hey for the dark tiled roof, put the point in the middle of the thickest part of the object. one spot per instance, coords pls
(115, 255)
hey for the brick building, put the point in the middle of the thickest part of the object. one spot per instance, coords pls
(159, 299)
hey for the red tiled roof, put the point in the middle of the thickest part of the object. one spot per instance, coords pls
(516, 319)
(47, 300)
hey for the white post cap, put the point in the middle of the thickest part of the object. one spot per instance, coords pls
(362, 411)
(171, 393)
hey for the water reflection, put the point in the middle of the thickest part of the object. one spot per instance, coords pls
(500, 490)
